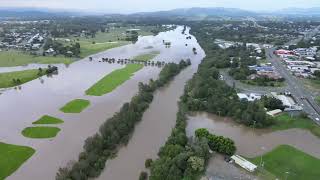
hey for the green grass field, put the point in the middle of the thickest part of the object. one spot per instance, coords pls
(15, 58)
(40, 132)
(284, 121)
(116, 34)
(6, 79)
(48, 120)
(113, 80)
(88, 48)
(284, 158)
(318, 100)
(146, 57)
(75, 106)
(12, 157)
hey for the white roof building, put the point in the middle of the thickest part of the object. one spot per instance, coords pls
(249, 97)
(274, 112)
(244, 163)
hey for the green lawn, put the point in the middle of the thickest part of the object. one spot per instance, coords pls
(48, 120)
(16, 58)
(318, 100)
(312, 84)
(75, 106)
(284, 158)
(88, 48)
(146, 57)
(113, 80)
(12, 157)
(284, 121)
(7, 79)
(115, 34)
(40, 132)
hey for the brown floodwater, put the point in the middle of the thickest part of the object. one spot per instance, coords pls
(254, 142)
(156, 125)
(44, 96)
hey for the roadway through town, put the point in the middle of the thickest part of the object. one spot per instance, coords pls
(302, 96)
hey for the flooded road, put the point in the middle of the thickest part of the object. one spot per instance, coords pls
(44, 96)
(254, 142)
(154, 129)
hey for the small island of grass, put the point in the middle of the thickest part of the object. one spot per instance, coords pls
(12, 157)
(146, 57)
(48, 120)
(287, 162)
(40, 132)
(113, 80)
(75, 106)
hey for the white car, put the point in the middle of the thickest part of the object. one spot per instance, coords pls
(317, 119)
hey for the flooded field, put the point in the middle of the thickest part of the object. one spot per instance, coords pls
(254, 142)
(44, 96)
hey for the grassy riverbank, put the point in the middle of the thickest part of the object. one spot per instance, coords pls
(287, 162)
(75, 106)
(11, 79)
(40, 132)
(48, 120)
(113, 80)
(284, 121)
(16, 58)
(147, 57)
(12, 157)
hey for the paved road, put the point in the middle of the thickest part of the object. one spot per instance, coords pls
(245, 88)
(303, 97)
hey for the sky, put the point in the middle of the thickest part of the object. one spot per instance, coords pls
(130, 6)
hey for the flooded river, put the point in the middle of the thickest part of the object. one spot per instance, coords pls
(253, 142)
(155, 127)
(19, 108)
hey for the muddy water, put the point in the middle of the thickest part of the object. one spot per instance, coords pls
(19, 108)
(154, 129)
(253, 142)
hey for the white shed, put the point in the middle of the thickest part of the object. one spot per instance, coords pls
(244, 163)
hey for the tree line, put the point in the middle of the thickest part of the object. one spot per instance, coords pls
(205, 92)
(219, 144)
(117, 130)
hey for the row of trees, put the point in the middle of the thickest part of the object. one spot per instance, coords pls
(180, 158)
(116, 131)
(219, 144)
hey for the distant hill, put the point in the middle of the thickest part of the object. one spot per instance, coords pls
(315, 11)
(34, 13)
(231, 12)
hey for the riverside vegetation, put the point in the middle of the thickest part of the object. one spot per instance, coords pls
(117, 130)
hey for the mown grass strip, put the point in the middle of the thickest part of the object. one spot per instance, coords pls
(75, 106)
(48, 120)
(12, 157)
(15, 78)
(146, 57)
(40, 132)
(113, 80)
